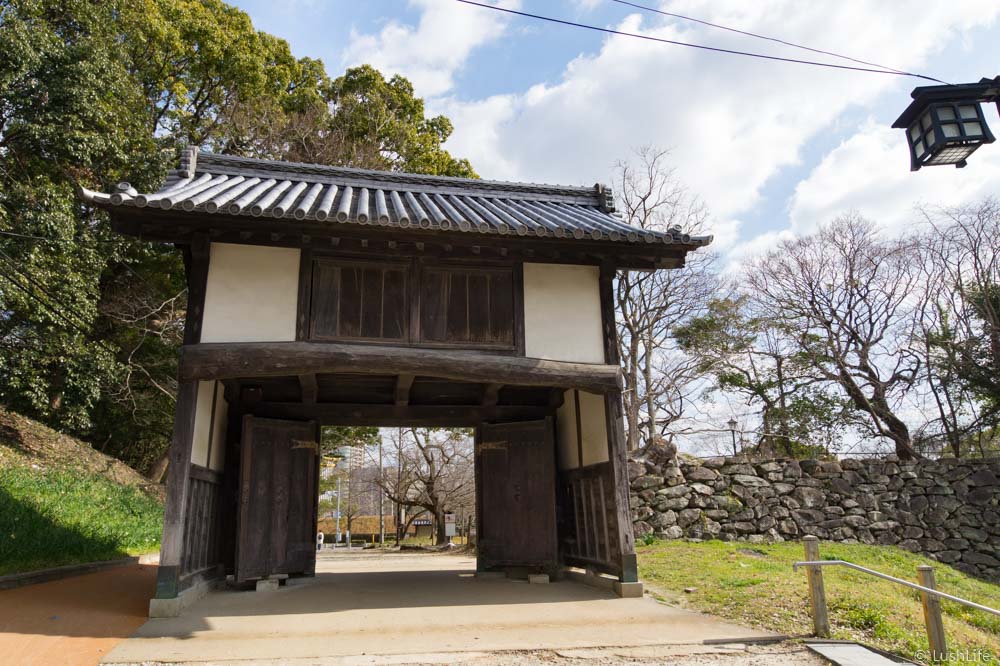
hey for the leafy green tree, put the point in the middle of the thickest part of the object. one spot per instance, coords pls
(94, 93)
(359, 119)
(68, 114)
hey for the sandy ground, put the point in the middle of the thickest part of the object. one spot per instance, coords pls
(365, 609)
(419, 608)
(74, 621)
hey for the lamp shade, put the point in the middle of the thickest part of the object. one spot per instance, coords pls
(947, 133)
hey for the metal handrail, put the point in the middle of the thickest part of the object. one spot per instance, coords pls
(877, 574)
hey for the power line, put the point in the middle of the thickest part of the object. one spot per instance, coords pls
(55, 241)
(81, 321)
(703, 47)
(79, 324)
(764, 37)
(31, 294)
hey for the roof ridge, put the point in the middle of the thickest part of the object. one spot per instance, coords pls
(205, 159)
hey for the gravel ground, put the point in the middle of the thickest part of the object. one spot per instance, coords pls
(783, 654)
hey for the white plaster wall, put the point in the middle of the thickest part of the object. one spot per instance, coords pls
(594, 427)
(208, 447)
(562, 313)
(217, 455)
(567, 454)
(202, 424)
(252, 294)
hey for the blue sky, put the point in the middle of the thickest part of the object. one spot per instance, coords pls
(772, 149)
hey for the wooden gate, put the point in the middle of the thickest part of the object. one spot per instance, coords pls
(515, 482)
(279, 474)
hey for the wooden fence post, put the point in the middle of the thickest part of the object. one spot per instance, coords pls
(932, 613)
(817, 595)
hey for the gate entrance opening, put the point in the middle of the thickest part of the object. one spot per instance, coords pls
(328, 295)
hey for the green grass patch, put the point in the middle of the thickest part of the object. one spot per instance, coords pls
(756, 586)
(56, 516)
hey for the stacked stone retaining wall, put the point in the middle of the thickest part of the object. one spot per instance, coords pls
(947, 509)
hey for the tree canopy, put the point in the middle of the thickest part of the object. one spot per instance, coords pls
(94, 93)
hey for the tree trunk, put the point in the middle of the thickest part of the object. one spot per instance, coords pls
(442, 537)
(647, 377)
(159, 468)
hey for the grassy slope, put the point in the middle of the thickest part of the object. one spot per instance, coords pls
(62, 502)
(755, 585)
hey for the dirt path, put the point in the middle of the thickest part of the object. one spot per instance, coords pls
(74, 621)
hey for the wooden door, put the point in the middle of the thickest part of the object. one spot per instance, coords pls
(279, 471)
(516, 482)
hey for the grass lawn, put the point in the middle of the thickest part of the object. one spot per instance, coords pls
(755, 585)
(51, 517)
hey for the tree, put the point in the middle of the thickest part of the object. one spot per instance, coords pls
(95, 93)
(359, 119)
(960, 323)
(436, 474)
(846, 292)
(759, 359)
(659, 377)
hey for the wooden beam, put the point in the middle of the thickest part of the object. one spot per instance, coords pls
(424, 416)
(403, 384)
(310, 389)
(491, 392)
(172, 226)
(228, 360)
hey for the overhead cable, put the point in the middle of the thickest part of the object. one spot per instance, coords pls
(758, 36)
(702, 47)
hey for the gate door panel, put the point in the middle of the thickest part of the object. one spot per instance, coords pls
(516, 480)
(277, 518)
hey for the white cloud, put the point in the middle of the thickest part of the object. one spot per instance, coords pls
(431, 53)
(869, 173)
(732, 122)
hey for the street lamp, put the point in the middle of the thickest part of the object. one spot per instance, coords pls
(945, 124)
(732, 429)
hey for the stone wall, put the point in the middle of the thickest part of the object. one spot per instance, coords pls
(947, 509)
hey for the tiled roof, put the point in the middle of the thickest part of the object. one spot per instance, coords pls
(226, 185)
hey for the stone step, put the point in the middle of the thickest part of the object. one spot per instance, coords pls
(852, 654)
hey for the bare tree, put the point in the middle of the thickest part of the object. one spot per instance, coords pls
(660, 379)
(850, 291)
(960, 322)
(435, 474)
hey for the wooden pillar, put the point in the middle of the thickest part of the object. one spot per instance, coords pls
(623, 538)
(178, 472)
(178, 483)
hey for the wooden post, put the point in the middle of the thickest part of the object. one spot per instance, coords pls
(178, 482)
(932, 614)
(817, 595)
(622, 539)
(172, 546)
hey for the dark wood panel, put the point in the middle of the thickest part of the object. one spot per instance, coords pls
(586, 518)
(201, 539)
(277, 499)
(468, 306)
(325, 303)
(352, 299)
(516, 471)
